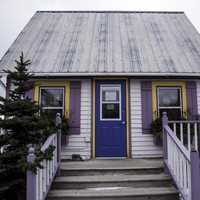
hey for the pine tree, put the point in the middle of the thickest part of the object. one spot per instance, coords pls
(24, 123)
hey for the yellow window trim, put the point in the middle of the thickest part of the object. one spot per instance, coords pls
(181, 84)
(43, 83)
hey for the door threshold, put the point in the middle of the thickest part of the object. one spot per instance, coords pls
(111, 158)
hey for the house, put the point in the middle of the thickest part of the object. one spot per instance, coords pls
(111, 73)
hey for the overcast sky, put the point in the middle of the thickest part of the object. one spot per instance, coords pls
(14, 14)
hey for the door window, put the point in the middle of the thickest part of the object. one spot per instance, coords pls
(110, 102)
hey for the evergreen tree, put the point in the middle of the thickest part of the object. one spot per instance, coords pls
(23, 124)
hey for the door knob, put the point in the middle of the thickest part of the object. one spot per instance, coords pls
(123, 122)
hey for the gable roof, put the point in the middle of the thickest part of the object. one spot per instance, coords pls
(108, 43)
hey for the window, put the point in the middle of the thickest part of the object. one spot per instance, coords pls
(169, 99)
(110, 102)
(52, 100)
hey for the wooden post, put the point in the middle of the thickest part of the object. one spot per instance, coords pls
(195, 175)
(58, 125)
(165, 156)
(31, 181)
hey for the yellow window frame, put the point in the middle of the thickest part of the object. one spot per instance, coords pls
(49, 83)
(156, 84)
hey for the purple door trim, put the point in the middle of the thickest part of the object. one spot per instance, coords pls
(146, 99)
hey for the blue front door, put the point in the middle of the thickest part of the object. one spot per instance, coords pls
(111, 118)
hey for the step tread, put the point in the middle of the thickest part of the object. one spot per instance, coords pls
(112, 164)
(113, 192)
(112, 178)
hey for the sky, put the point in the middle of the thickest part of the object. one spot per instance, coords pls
(15, 14)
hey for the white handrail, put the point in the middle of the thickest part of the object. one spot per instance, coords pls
(186, 131)
(178, 163)
(181, 157)
(46, 175)
(178, 143)
(39, 183)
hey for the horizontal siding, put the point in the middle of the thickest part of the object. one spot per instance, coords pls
(142, 145)
(80, 144)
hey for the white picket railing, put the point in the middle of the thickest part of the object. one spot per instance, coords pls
(181, 157)
(45, 176)
(187, 132)
(178, 163)
(39, 183)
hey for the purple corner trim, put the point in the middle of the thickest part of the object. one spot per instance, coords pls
(195, 175)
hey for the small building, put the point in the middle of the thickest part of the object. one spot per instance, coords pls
(111, 73)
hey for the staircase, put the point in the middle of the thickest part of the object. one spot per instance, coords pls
(138, 179)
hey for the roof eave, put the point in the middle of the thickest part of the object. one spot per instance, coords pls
(124, 74)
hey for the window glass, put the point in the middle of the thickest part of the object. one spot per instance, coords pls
(172, 114)
(110, 95)
(52, 100)
(169, 97)
(52, 97)
(110, 111)
(52, 112)
(169, 100)
(110, 102)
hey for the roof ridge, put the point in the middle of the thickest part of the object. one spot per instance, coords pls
(108, 11)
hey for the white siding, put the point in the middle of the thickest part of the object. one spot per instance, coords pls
(81, 144)
(142, 145)
(198, 96)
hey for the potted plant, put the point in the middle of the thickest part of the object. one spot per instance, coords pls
(156, 130)
(64, 131)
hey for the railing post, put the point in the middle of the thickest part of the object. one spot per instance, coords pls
(58, 125)
(31, 177)
(164, 123)
(195, 175)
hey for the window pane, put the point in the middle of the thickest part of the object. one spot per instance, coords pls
(110, 95)
(52, 112)
(173, 114)
(52, 97)
(169, 97)
(110, 111)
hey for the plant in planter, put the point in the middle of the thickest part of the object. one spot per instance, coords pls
(156, 130)
(156, 127)
(65, 126)
(65, 130)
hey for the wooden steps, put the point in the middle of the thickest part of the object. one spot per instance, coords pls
(138, 179)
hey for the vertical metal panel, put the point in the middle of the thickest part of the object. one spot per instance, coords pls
(107, 42)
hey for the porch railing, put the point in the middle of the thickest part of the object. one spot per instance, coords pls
(39, 183)
(181, 156)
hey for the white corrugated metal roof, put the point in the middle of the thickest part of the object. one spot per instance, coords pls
(108, 43)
